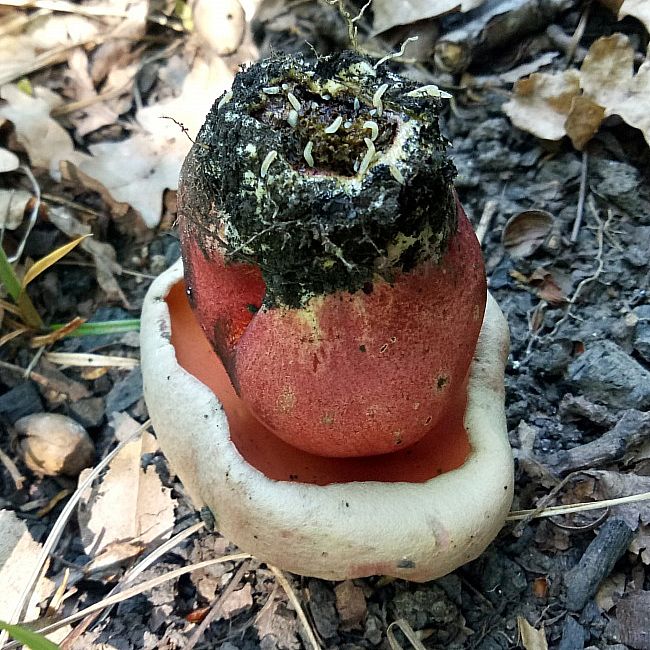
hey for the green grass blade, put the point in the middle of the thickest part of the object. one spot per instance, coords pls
(103, 327)
(31, 639)
(8, 276)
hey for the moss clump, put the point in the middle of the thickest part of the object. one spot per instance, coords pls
(325, 174)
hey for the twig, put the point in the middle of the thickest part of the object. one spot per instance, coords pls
(581, 198)
(58, 529)
(32, 216)
(577, 35)
(552, 511)
(11, 468)
(291, 594)
(216, 606)
(489, 210)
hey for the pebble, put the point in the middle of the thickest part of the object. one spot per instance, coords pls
(606, 373)
(20, 401)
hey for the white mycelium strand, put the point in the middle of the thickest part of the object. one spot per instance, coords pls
(293, 100)
(429, 91)
(334, 126)
(293, 118)
(266, 163)
(225, 99)
(367, 159)
(307, 153)
(374, 129)
(396, 173)
(376, 99)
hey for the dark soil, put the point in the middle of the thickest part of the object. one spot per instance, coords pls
(570, 380)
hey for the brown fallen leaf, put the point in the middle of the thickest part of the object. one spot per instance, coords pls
(531, 638)
(103, 254)
(607, 75)
(276, 621)
(18, 559)
(237, 602)
(574, 103)
(137, 171)
(129, 504)
(632, 614)
(524, 233)
(546, 287)
(44, 139)
(542, 103)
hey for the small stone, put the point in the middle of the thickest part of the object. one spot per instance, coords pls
(88, 412)
(606, 373)
(237, 602)
(321, 606)
(125, 392)
(20, 401)
(52, 444)
(351, 604)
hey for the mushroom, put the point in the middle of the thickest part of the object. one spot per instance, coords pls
(329, 378)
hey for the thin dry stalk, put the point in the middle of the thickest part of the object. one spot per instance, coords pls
(81, 360)
(489, 210)
(216, 606)
(12, 470)
(552, 511)
(291, 595)
(408, 632)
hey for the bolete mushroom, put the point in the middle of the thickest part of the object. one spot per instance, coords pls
(329, 377)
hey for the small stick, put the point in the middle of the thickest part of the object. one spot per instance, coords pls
(581, 199)
(216, 606)
(489, 210)
(291, 594)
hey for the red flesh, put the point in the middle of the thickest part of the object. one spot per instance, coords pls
(350, 374)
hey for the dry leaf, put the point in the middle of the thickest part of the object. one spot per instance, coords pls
(607, 75)
(610, 591)
(19, 52)
(103, 254)
(8, 161)
(18, 558)
(542, 103)
(138, 170)
(546, 287)
(524, 233)
(12, 207)
(129, 503)
(583, 121)
(632, 615)
(390, 13)
(531, 638)
(44, 139)
(575, 103)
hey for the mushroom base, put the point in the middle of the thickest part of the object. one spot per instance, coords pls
(409, 514)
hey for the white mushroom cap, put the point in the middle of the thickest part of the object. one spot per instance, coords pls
(415, 531)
